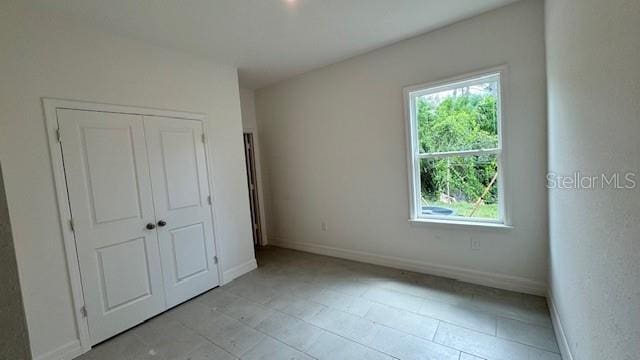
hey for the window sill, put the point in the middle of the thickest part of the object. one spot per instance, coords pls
(461, 223)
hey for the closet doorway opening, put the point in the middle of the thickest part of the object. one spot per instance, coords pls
(252, 184)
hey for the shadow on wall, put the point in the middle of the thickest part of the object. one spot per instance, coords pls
(14, 341)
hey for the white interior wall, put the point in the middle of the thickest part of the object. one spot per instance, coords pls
(333, 144)
(248, 106)
(593, 53)
(249, 124)
(47, 56)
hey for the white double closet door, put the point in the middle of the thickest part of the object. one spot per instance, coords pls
(138, 192)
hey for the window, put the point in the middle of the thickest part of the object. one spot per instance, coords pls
(455, 149)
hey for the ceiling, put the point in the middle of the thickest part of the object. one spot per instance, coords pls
(270, 40)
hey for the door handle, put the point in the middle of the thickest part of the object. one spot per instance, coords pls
(162, 223)
(150, 226)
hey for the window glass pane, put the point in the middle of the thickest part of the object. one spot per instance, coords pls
(460, 118)
(459, 186)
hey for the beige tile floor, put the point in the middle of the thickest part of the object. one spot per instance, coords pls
(302, 306)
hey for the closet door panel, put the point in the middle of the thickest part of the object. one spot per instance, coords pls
(109, 189)
(180, 192)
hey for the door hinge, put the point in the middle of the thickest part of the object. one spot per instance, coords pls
(209, 200)
(83, 311)
(58, 136)
(73, 228)
(204, 139)
(215, 259)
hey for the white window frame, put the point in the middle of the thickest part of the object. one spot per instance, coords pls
(414, 155)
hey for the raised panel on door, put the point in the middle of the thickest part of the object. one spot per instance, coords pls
(109, 189)
(180, 191)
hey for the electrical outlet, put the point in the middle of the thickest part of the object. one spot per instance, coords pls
(324, 226)
(475, 244)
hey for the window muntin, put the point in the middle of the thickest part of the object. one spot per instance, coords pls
(456, 152)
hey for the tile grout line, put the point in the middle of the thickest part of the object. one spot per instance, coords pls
(246, 324)
(210, 340)
(270, 336)
(492, 314)
(431, 299)
(397, 308)
(147, 344)
(436, 332)
(315, 326)
(212, 343)
(331, 332)
(519, 342)
(352, 340)
(524, 322)
(320, 286)
(399, 330)
(277, 340)
(348, 313)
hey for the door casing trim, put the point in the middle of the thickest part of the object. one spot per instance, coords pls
(50, 106)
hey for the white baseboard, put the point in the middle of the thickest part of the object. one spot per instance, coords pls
(239, 270)
(506, 282)
(74, 349)
(65, 352)
(561, 337)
